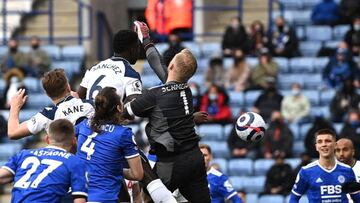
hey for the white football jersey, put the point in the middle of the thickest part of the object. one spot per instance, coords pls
(356, 169)
(113, 72)
(72, 109)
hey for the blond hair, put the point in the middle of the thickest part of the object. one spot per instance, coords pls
(185, 65)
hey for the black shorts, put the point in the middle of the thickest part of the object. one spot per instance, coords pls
(186, 172)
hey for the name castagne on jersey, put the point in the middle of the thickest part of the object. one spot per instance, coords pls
(50, 153)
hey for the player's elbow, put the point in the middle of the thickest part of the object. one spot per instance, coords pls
(138, 174)
(13, 135)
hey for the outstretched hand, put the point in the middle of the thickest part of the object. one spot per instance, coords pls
(142, 30)
(18, 100)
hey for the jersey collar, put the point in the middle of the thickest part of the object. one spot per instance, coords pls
(119, 58)
(328, 170)
(55, 147)
(67, 98)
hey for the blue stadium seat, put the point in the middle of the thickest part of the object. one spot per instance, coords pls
(9, 149)
(74, 52)
(146, 69)
(338, 127)
(52, 50)
(283, 64)
(300, 32)
(203, 64)
(3, 50)
(162, 47)
(240, 167)
(38, 101)
(332, 44)
(339, 31)
(326, 96)
(293, 162)
(304, 128)
(298, 148)
(291, 4)
(320, 110)
(310, 48)
(32, 85)
(222, 163)
(261, 166)
(210, 49)
(227, 129)
(228, 63)
(252, 197)
(312, 81)
(236, 98)
(2, 86)
(271, 198)
(251, 97)
(252, 61)
(302, 65)
(318, 33)
(5, 113)
(309, 4)
(211, 132)
(25, 49)
(254, 184)
(294, 127)
(303, 199)
(237, 182)
(313, 96)
(219, 149)
(197, 78)
(70, 67)
(193, 47)
(26, 114)
(320, 63)
(286, 80)
(301, 17)
(150, 80)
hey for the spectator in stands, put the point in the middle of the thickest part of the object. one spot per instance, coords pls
(278, 139)
(240, 148)
(38, 60)
(215, 73)
(215, 102)
(351, 129)
(352, 37)
(348, 10)
(174, 45)
(295, 107)
(340, 68)
(325, 13)
(264, 69)
(305, 160)
(196, 93)
(258, 38)
(13, 84)
(15, 59)
(234, 38)
(319, 123)
(284, 42)
(269, 101)
(237, 77)
(345, 99)
(278, 181)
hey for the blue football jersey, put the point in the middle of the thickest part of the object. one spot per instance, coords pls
(46, 174)
(104, 154)
(220, 187)
(322, 185)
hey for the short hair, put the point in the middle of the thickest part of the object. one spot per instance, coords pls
(61, 131)
(124, 40)
(325, 131)
(55, 83)
(205, 146)
(185, 65)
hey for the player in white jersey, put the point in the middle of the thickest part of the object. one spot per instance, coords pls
(116, 71)
(65, 106)
(345, 153)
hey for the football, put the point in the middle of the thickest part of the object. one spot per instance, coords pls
(250, 127)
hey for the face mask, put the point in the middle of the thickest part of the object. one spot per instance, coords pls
(357, 27)
(194, 91)
(281, 28)
(13, 49)
(212, 97)
(354, 124)
(295, 92)
(35, 46)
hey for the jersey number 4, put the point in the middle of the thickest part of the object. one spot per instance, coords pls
(88, 146)
(35, 163)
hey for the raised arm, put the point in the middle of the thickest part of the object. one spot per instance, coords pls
(15, 129)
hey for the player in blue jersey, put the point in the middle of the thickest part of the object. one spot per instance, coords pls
(104, 144)
(45, 175)
(321, 180)
(65, 106)
(219, 185)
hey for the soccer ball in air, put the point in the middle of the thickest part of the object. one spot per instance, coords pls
(250, 127)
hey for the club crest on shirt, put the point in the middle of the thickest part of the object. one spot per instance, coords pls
(341, 179)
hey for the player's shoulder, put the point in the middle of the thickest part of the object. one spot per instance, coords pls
(216, 173)
(49, 112)
(311, 166)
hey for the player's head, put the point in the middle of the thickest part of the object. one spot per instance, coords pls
(206, 151)
(344, 151)
(61, 133)
(325, 141)
(183, 66)
(55, 84)
(126, 44)
(108, 108)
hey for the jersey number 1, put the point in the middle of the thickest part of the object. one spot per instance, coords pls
(35, 163)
